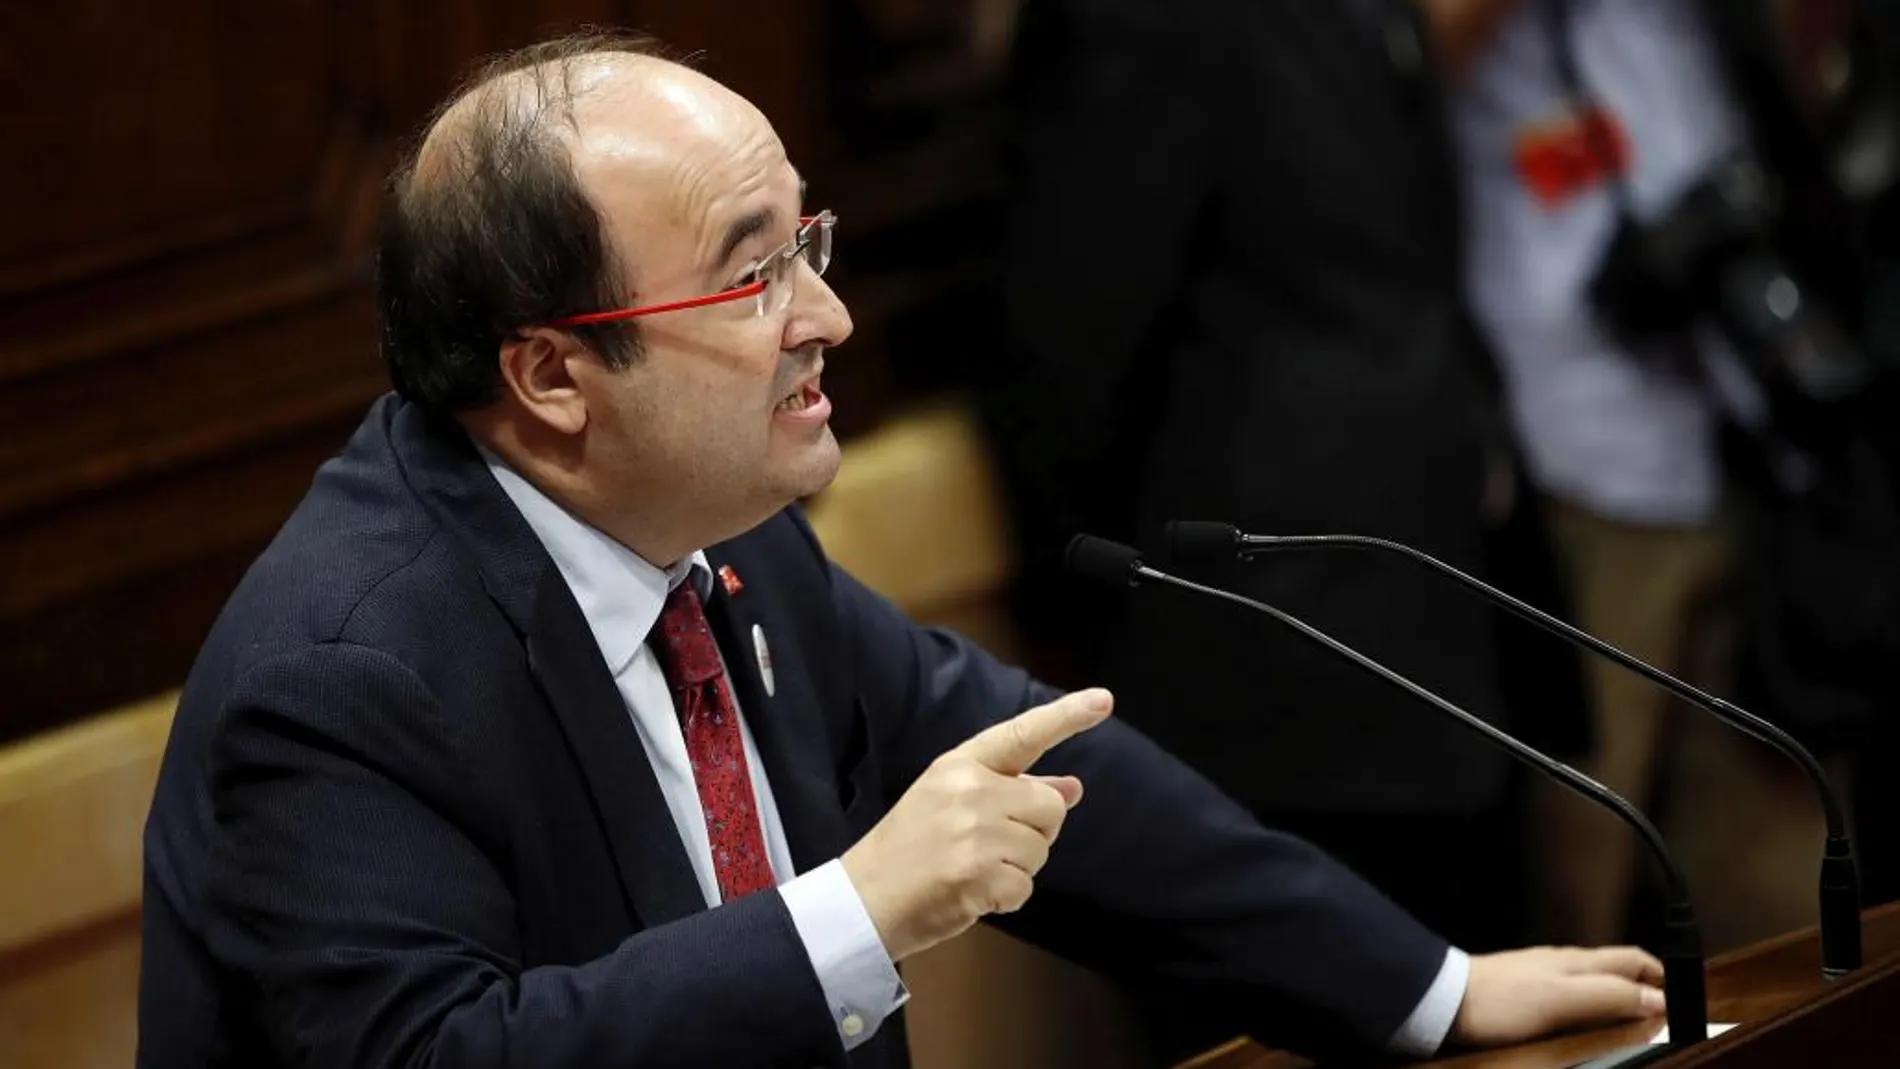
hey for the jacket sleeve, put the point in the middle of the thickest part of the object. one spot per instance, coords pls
(1157, 876)
(372, 931)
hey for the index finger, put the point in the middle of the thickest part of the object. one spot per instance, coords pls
(1015, 744)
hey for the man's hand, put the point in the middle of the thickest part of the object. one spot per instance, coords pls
(970, 835)
(1523, 994)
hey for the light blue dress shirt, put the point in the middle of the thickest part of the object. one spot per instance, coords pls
(621, 596)
(1600, 427)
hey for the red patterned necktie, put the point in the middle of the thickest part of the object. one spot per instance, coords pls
(689, 658)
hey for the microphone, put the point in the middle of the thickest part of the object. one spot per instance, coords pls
(1198, 540)
(1683, 979)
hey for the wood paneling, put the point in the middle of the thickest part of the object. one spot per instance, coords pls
(156, 126)
(73, 806)
(73, 1004)
(72, 809)
(184, 319)
(111, 592)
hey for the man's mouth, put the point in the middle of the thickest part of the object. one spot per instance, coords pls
(800, 399)
(807, 395)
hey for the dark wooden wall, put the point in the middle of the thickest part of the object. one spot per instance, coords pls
(186, 198)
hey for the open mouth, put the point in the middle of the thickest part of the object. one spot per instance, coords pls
(802, 398)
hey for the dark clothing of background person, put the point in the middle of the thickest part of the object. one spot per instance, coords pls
(1233, 293)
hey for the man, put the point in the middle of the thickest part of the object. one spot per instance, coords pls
(1619, 436)
(545, 735)
(1233, 294)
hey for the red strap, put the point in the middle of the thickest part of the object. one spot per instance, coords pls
(1557, 161)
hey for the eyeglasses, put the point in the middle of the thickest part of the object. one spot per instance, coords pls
(769, 283)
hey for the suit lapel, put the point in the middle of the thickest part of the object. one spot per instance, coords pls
(655, 875)
(789, 729)
(655, 872)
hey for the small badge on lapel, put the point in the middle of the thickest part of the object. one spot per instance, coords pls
(764, 653)
(730, 580)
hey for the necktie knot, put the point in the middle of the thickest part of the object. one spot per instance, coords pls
(682, 640)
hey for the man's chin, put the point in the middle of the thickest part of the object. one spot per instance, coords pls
(815, 466)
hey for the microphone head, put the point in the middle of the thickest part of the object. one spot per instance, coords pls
(1098, 558)
(1202, 541)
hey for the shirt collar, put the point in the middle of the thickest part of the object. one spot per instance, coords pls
(619, 592)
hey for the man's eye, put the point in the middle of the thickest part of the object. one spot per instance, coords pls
(750, 277)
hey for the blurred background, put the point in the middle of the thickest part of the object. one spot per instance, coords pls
(1596, 298)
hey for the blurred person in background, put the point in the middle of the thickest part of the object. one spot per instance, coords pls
(1671, 250)
(1233, 293)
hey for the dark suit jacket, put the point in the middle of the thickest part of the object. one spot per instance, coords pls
(1233, 293)
(405, 820)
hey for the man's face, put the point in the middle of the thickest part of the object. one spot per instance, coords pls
(724, 411)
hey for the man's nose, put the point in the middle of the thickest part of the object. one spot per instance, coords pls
(817, 315)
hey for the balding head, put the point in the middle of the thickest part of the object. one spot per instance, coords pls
(557, 90)
(489, 227)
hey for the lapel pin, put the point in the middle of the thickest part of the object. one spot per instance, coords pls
(729, 579)
(764, 653)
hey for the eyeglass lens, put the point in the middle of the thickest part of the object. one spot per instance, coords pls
(813, 246)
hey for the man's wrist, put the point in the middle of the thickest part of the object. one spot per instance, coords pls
(858, 976)
(885, 915)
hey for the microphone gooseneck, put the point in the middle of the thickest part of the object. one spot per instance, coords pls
(1683, 978)
(1199, 540)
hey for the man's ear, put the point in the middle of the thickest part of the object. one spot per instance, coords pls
(535, 370)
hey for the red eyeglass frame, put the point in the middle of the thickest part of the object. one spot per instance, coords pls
(616, 315)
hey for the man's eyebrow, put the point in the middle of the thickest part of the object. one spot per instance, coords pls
(750, 225)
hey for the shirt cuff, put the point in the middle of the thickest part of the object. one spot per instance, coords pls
(1425, 1030)
(861, 984)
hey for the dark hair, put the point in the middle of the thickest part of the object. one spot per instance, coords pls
(491, 232)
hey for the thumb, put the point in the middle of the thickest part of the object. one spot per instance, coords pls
(1598, 998)
(1068, 787)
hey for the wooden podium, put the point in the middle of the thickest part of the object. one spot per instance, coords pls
(1790, 1017)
